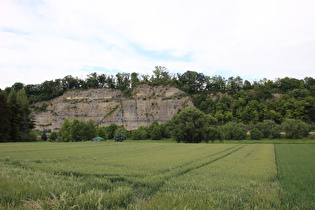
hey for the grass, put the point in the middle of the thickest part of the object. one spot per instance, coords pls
(144, 175)
(296, 174)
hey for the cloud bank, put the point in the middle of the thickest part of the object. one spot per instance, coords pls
(49, 39)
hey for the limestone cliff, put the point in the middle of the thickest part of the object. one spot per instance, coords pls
(106, 106)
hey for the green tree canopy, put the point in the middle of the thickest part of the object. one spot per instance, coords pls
(191, 126)
(295, 129)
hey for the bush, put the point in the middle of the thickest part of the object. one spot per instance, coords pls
(32, 136)
(140, 134)
(212, 133)
(255, 134)
(269, 129)
(53, 136)
(164, 127)
(110, 131)
(234, 131)
(221, 135)
(295, 129)
(119, 135)
(239, 133)
(156, 133)
(44, 136)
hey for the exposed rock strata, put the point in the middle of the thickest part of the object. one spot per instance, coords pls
(106, 106)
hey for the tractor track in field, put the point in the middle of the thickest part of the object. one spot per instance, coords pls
(195, 160)
(210, 162)
(156, 187)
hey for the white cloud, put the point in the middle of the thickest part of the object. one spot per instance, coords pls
(42, 40)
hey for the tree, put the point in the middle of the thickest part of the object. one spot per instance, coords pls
(44, 136)
(140, 134)
(295, 129)
(92, 132)
(191, 126)
(161, 76)
(27, 120)
(92, 80)
(216, 84)
(134, 79)
(156, 133)
(212, 133)
(53, 136)
(164, 128)
(123, 81)
(102, 132)
(17, 86)
(78, 130)
(101, 79)
(65, 131)
(234, 85)
(235, 131)
(255, 134)
(4, 119)
(269, 129)
(15, 119)
(110, 131)
(119, 135)
(191, 81)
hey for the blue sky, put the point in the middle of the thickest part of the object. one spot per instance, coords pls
(255, 39)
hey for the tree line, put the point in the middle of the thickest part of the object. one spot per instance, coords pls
(78, 130)
(189, 126)
(228, 100)
(191, 82)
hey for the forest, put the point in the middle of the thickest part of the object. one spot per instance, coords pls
(223, 102)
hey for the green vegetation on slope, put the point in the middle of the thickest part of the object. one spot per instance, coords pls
(227, 99)
(296, 174)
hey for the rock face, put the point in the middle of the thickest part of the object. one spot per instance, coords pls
(106, 106)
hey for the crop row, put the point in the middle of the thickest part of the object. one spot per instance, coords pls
(129, 175)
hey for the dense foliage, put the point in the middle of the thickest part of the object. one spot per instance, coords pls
(231, 102)
(232, 99)
(193, 126)
(295, 129)
(77, 131)
(16, 122)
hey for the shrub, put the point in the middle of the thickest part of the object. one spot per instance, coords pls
(255, 134)
(269, 129)
(295, 129)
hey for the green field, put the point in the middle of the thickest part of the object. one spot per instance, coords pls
(93, 175)
(297, 175)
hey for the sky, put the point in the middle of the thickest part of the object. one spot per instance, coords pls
(49, 39)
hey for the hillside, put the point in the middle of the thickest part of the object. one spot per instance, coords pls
(105, 106)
